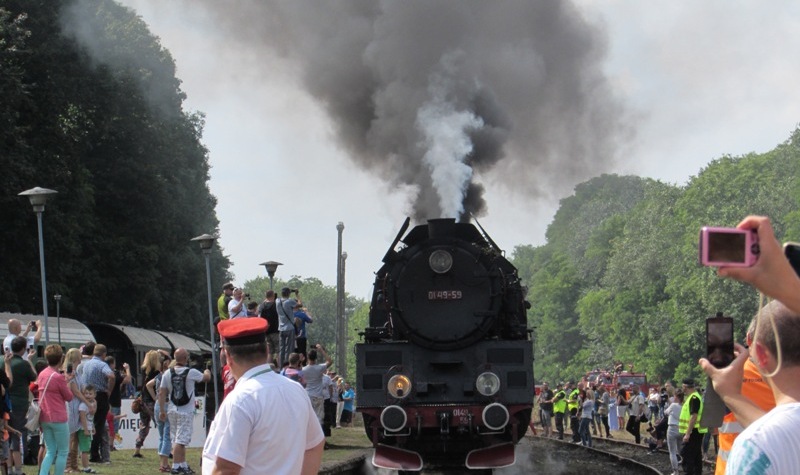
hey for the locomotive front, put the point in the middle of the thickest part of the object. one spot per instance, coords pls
(445, 371)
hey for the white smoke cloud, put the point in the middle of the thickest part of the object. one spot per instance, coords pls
(447, 142)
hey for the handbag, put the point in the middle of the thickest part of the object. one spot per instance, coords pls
(136, 405)
(35, 410)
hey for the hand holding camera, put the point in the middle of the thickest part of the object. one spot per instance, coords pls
(728, 247)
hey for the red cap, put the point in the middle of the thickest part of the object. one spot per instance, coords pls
(243, 331)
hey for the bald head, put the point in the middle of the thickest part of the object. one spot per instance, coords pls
(181, 356)
(14, 326)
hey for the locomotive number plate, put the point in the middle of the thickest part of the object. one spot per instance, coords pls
(444, 295)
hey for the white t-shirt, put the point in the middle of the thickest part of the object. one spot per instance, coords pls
(265, 426)
(635, 405)
(769, 445)
(241, 313)
(193, 377)
(674, 413)
(7, 344)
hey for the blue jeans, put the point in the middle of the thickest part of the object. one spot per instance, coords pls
(56, 438)
(287, 346)
(583, 430)
(164, 444)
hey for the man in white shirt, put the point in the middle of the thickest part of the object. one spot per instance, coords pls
(249, 434)
(15, 330)
(236, 307)
(179, 383)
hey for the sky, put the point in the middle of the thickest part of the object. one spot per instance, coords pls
(682, 83)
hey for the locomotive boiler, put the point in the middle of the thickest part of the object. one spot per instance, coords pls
(445, 371)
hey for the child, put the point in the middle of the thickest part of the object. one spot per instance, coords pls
(87, 410)
(4, 444)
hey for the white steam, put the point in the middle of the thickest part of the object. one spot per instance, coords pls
(447, 144)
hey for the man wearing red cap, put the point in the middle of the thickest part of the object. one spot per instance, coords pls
(248, 434)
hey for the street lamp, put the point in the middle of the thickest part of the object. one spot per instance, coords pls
(271, 267)
(340, 327)
(206, 242)
(38, 198)
(58, 315)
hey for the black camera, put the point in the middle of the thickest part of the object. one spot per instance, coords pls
(296, 290)
(247, 296)
(33, 326)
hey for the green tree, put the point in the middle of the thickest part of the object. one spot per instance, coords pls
(93, 110)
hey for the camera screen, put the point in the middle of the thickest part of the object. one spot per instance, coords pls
(719, 342)
(726, 247)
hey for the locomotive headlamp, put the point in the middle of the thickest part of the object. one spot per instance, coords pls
(399, 386)
(488, 384)
(440, 261)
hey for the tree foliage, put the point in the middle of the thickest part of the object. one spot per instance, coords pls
(92, 109)
(619, 281)
(320, 300)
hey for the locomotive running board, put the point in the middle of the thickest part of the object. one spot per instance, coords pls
(497, 456)
(393, 458)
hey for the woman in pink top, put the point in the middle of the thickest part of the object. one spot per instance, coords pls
(53, 393)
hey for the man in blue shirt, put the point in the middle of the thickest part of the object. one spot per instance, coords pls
(301, 317)
(349, 398)
(96, 372)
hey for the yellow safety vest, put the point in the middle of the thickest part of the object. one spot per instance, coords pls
(683, 424)
(222, 308)
(572, 403)
(757, 390)
(560, 405)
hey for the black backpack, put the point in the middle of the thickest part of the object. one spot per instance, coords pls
(269, 312)
(179, 396)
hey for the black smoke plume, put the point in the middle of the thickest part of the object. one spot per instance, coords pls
(436, 94)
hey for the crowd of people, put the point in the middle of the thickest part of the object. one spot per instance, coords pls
(78, 393)
(760, 389)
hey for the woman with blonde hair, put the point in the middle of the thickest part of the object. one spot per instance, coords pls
(151, 367)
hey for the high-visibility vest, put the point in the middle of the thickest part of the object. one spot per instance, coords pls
(560, 405)
(755, 389)
(572, 403)
(683, 424)
(222, 307)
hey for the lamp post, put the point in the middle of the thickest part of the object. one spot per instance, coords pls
(206, 242)
(342, 356)
(57, 297)
(38, 198)
(271, 267)
(340, 328)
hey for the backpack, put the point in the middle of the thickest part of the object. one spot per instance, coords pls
(269, 312)
(179, 396)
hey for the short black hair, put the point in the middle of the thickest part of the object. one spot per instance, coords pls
(18, 344)
(286, 291)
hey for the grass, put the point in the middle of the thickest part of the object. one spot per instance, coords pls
(344, 442)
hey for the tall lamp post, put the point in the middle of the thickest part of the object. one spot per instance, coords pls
(206, 242)
(340, 328)
(271, 267)
(38, 198)
(57, 297)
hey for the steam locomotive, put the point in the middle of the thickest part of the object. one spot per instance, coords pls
(445, 371)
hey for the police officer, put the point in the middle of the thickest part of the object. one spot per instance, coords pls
(559, 408)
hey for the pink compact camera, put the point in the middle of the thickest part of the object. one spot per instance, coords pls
(728, 247)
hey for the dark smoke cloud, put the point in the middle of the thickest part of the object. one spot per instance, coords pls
(433, 93)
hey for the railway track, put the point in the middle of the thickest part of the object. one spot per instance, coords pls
(640, 454)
